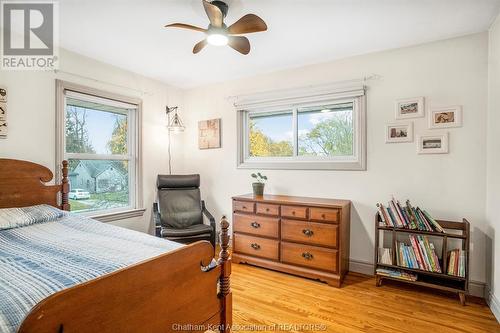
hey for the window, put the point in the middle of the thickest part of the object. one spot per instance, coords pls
(98, 133)
(325, 131)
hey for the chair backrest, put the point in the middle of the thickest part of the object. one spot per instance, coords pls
(179, 200)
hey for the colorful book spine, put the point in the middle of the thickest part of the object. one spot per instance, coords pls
(396, 214)
(433, 222)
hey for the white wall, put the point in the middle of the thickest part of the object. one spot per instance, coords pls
(450, 186)
(31, 116)
(493, 176)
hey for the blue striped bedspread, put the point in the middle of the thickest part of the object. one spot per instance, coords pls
(39, 260)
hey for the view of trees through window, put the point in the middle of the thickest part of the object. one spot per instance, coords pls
(325, 131)
(99, 130)
(271, 135)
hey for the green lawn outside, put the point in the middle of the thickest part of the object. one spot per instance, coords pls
(111, 196)
(101, 201)
(76, 205)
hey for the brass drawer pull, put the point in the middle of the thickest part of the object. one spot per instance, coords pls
(308, 232)
(255, 246)
(244, 207)
(255, 225)
(307, 255)
(293, 212)
(323, 216)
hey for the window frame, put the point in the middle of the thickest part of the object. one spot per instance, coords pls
(134, 146)
(357, 162)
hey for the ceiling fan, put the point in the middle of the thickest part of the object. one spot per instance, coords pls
(219, 34)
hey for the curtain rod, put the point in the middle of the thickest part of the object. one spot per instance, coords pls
(142, 92)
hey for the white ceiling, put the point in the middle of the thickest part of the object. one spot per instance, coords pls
(130, 34)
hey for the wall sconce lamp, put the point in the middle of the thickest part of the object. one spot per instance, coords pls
(175, 124)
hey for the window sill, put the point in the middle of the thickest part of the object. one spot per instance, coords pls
(119, 215)
(305, 165)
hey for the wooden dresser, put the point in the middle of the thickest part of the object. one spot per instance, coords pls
(298, 235)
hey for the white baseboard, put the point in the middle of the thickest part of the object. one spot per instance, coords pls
(494, 304)
(364, 267)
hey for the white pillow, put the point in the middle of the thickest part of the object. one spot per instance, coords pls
(20, 217)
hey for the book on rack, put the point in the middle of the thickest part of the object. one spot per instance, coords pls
(396, 215)
(456, 263)
(419, 254)
(397, 274)
(384, 256)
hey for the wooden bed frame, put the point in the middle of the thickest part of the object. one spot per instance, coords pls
(173, 292)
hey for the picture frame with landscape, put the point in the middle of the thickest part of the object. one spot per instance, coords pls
(445, 117)
(432, 143)
(410, 108)
(399, 132)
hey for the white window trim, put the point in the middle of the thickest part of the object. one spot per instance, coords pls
(291, 100)
(136, 209)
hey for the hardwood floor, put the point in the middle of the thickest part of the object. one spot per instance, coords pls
(264, 298)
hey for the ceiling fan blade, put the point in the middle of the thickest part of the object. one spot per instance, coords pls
(240, 44)
(185, 26)
(199, 46)
(214, 14)
(247, 24)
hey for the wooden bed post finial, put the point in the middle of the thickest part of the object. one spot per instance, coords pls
(225, 283)
(65, 187)
(224, 239)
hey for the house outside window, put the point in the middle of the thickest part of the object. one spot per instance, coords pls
(310, 128)
(99, 135)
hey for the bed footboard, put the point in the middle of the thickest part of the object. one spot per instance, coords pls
(170, 293)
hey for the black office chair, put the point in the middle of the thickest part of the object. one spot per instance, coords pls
(179, 211)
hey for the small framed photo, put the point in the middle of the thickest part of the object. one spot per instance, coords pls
(3, 128)
(3, 95)
(3, 111)
(432, 143)
(445, 117)
(402, 132)
(410, 108)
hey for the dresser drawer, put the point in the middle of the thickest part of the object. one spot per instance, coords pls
(243, 206)
(256, 225)
(268, 209)
(294, 212)
(324, 214)
(256, 246)
(309, 232)
(309, 256)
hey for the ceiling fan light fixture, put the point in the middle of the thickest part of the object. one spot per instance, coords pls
(217, 39)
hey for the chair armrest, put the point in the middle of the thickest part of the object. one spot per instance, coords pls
(157, 219)
(207, 214)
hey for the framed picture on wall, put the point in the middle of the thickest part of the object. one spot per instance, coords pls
(432, 143)
(209, 134)
(3, 95)
(3, 112)
(399, 132)
(445, 117)
(410, 108)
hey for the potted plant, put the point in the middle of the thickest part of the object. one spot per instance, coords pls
(258, 185)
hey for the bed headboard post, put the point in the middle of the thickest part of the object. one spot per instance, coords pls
(65, 187)
(225, 285)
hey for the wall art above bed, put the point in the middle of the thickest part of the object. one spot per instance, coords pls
(3, 112)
